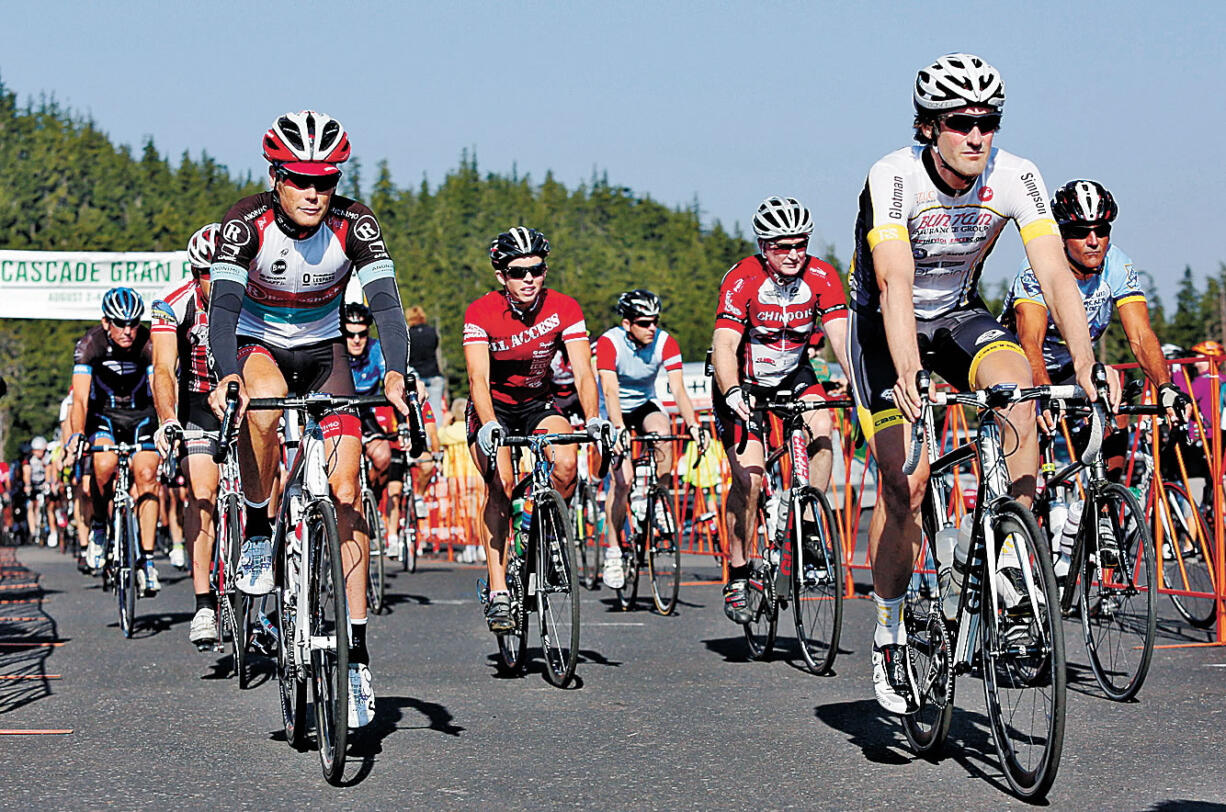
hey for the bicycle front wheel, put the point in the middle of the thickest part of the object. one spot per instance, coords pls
(587, 534)
(229, 535)
(375, 589)
(328, 638)
(763, 610)
(1187, 556)
(817, 580)
(557, 600)
(1022, 653)
(126, 564)
(663, 552)
(1119, 600)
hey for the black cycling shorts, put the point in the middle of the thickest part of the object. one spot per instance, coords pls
(568, 404)
(952, 346)
(122, 427)
(195, 415)
(635, 417)
(520, 420)
(319, 367)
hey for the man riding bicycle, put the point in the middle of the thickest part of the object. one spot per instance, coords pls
(929, 216)
(628, 360)
(770, 304)
(183, 377)
(112, 402)
(510, 338)
(282, 262)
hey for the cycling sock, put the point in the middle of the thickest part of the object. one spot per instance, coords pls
(357, 641)
(206, 600)
(889, 629)
(738, 573)
(257, 519)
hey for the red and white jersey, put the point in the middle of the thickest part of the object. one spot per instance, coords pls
(183, 311)
(776, 318)
(522, 344)
(636, 366)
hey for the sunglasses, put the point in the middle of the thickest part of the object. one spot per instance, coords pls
(535, 271)
(1073, 232)
(322, 183)
(964, 123)
(362, 334)
(124, 324)
(788, 248)
(645, 322)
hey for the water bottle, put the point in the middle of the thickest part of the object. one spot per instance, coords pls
(525, 516)
(1067, 537)
(944, 544)
(1057, 515)
(781, 518)
(517, 509)
(958, 572)
(638, 506)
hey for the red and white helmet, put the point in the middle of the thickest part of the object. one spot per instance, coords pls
(307, 143)
(201, 246)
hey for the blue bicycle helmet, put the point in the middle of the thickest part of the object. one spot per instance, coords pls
(123, 304)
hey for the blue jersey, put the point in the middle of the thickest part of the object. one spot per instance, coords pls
(636, 367)
(1117, 284)
(368, 369)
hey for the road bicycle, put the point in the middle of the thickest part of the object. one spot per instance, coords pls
(1113, 560)
(376, 586)
(587, 508)
(796, 560)
(1006, 623)
(540, 577)
(123, 552)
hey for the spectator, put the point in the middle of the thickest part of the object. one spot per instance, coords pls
(424, 356)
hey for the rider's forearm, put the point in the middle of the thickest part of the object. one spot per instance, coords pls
(589, 397)
(479, 394)
(612, 398)
(165, 393)
(1148, 353)
(723, 359)
(898, 314)
(225, 302)
(384, 300)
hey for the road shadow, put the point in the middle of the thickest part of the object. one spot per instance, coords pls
(734, 649)
(366, 743)
(147, 625)
(23, 624)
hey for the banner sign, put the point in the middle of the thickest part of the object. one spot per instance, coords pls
(70, 284)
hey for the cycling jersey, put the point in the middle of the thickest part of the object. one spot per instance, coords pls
(119, 377)
(183, 311)
(65, 407)
(522, 344)
(776, 318)
(294, 277)
(563, 375)
(368, 369)
(636, 366)
(38, 469)
(950, 233)
(1101, 293)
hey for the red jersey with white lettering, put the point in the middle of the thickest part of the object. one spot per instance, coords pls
(776, 318)
(522, 343)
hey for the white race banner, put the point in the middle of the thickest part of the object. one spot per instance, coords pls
(70, 284)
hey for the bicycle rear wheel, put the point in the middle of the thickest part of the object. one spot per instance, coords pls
(229, 535)
(375, 588)
(1119, 604)
(930, 646)
(513, 646)
(663, 552)
(763, 609)
(587, 534)
(328, 633)
(1022, 654)
(557, 600)
(292, 688)
(632, 562)
(1187, 556)
(817, 580)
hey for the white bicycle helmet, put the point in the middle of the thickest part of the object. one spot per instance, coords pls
(307, 142)
(958, 80)
(38, 442)
(778, 217)
(201, 246)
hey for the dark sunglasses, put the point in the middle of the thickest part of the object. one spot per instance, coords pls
(964, 123)
(362, 334)
(123, 324)
(646, 322)
(801, 246)
(322, 183)
(535, 271)
(1075, 232)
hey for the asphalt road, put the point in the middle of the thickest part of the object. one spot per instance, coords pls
(668, 713)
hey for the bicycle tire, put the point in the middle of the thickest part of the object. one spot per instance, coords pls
(376, 586)
(1119, 604)
(513, 646)
(408, 536)
(328, 616)
(125, 591)
(817, 579)
(586, 539)
(1023, 661)
(557, 600)
(763, 625)
(632, 561)
(291, 680)
(1187, 557)
(239, 603)
(930, 647)
(663, 552)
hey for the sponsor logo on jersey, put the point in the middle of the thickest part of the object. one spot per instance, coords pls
(985, 193)
(551, 322)
(1031, 184)
(278, 267)
(988, 335)
(895, 210)
(367, 228)
(236, 232)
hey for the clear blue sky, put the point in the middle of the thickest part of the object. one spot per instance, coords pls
(726, 102)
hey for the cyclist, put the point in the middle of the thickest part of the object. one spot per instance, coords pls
(282, 262)
(510, 338)
(113, 403)
(34, 477)
(628, 359)
(183, 377)
(770, 304)
(929, 215)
